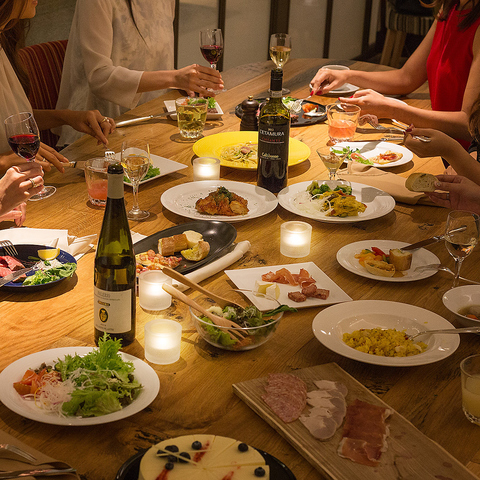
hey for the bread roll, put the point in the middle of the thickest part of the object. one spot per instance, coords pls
(378, 267)
(198, 252)
(169, 245)
(400, 260)
(421, 182)
(193, 238)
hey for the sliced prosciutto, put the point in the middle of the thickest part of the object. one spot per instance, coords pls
(286, 395)
(364, 433)
(9, 265)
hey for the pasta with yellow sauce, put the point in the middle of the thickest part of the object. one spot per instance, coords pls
(245, 153)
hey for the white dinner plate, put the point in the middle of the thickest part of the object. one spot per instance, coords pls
(165, 166)
(181, 199)
(344, 90)
(377, 201)
(331, 323)
(170, 106)
(373, 148)
(346, 258)
(14, 373)
(244, 278)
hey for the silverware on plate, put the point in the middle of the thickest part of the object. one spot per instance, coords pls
(434, 239)
(18, 273)
(443, 268)
(45, 472)
(124, 123)
(9, 247)
(449, 330)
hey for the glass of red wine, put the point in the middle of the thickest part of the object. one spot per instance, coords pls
(211, 46)
(23, 137)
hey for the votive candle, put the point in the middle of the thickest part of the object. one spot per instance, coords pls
(150, 292)
(206, 168)
(162, 341)
(295, 239)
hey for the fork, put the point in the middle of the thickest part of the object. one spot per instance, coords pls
(443, 268)
(448, 330)
(7, 447)
(110, 155)
(9, 247)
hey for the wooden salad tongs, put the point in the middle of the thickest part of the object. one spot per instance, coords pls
(222, 302)
(235, 334)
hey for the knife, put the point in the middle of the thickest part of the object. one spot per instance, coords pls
(36, 473)
(124, 123)
(428, 241)
(14, 275)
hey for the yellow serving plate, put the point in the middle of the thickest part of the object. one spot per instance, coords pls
(211, 146)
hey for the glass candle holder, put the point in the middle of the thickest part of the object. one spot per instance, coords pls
(295, 239)
(206, 168)
(150, 292)
(162, 341)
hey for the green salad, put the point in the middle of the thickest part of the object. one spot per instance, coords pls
(51, 273)
(352, 154)
(152, 172)
(316, 188)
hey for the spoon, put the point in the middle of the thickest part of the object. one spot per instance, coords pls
(449, 330)
(443, 268)
(223, 302)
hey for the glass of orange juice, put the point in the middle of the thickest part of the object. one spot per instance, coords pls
(96, 178)
(470, 370)
(342, 121)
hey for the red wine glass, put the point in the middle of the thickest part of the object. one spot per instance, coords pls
(211, 46)
(23, 137)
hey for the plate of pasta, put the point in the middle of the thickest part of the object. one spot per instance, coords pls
(239, 149)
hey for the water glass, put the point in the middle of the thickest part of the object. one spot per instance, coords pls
(190, 117)
(470, 371)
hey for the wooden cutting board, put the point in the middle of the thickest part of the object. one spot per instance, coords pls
(410, 454)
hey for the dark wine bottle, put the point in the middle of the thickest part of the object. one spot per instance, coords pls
(273, 137)
(115, 269)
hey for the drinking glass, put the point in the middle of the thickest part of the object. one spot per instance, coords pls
(211, 46)
(462, 241)
(136, 161)
(191, 116)
(23, 137)
(332, 159)
(470, 374)
(280, 48)
(342, 121)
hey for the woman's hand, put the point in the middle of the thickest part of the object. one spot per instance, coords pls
(440, 145)
(17, 215)
(48, 156)
(195, 78)
(91, 122)
(461, 193)
(326, 80)
(372, 102)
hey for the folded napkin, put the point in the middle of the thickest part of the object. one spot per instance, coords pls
(76, 246)
(386, 181)
(10, 462)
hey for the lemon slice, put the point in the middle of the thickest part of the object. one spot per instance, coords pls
(48, 253)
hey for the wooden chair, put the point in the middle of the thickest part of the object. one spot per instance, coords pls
(399, 24)
(44, 63)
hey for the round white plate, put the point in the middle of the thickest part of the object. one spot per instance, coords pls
(377, 201)
(374, 148)
(332, 322)
(14, 373)
(344, 90)
(346, 258)
(181, 199)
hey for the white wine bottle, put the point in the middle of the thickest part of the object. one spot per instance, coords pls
(115, 269)
(273, 138)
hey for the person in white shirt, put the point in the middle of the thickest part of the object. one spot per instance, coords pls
(120, 55)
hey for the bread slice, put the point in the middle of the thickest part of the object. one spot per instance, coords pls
(421, 182)
(169, 245)
(198, 252)
(400, 259)
(192, 237)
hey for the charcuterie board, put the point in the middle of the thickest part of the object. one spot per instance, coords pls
(410, 453)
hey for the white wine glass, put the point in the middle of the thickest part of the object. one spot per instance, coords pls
(332, 159)
(461, 241)
(22, 134)
(211, 46)
(135, 158)
(280, 48)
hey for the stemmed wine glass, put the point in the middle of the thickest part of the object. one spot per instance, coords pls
(461, 241)
(280, 48)
(135, 160)
(332, 159)
(211, 46)
(23, 137)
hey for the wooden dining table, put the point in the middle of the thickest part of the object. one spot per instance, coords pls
(196, 392)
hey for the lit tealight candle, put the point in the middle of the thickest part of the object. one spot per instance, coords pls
(295, 239)
(206, 168)
(150, 292)
(162, 341)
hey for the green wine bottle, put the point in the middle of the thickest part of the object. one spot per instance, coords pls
(115, 269)
(273, 137)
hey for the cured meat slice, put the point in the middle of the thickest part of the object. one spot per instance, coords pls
(12, 263)
(321, 427)
(297, 296)
(329, 385)
(303, 277)
(4, 271)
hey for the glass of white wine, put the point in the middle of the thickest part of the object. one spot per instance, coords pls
(136, 162)
(461, 236)
(280, 48)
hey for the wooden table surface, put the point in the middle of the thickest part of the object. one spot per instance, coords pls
(196, 392)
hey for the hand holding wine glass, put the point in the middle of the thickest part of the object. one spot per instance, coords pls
(211, 46)
(23, 137)
(461, 241)
(136, 161)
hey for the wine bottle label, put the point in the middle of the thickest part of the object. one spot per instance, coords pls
(273, 142)
(115, 185)
(112, 310)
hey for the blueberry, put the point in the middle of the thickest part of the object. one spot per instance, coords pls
(169, 466)
(172, 458)
(259, 472)
(184, 455)
(171, 448)
(243, 447)
(196, 445)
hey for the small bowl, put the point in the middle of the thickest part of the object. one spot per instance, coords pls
(218, 336)
(461, 297)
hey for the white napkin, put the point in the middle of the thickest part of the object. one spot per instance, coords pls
(76, 246)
